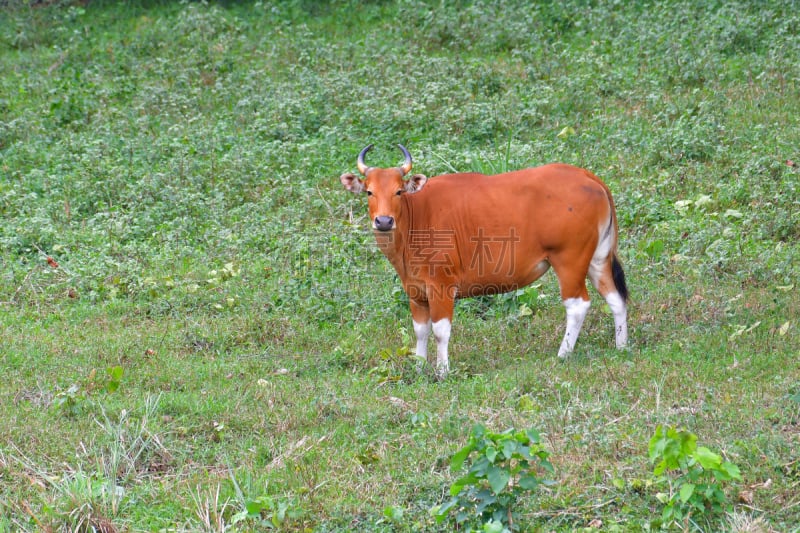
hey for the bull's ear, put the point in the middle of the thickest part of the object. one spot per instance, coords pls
(416, 182)
(352, 183)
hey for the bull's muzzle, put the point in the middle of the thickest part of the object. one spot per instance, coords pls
(384, 223)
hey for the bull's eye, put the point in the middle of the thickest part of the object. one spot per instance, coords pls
(369, 193)
(399, 192)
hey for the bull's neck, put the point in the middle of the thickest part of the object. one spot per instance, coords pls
(394, 243)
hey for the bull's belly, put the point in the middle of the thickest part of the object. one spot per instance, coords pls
(448, 284)
(486, 289)
(500, 281)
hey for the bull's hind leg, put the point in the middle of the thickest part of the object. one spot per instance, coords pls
(441, 332)
(609, 279)
(620, 311)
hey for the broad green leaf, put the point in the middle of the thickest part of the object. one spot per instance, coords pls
(510, 448)
(533, 436)
(493, 526)
(459, 484)
(525, 453)
(459, 457)
(707, 459)
(254, 507)
(485, 499)
(498, 479)
(688, 441)
(670, 515)
(656, 445)
(491, 453)
(660, 468)
(115, 372)
(480, 466)
(686, 492)
(114, 378)
(456, 487)
(731, 469)
(528, 482)
(440, 512)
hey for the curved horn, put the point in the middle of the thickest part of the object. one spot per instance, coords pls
(362, 167)
(406, 167)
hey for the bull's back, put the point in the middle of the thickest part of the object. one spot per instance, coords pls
(490, 234)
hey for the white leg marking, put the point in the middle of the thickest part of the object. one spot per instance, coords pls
(617, 305)
(441, 332)
(576, 312)
(422, 330)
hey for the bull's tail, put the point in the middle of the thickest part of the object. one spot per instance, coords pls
(618, 275)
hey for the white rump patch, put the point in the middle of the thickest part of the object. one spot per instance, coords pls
(601, 253)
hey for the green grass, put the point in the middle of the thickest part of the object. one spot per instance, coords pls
(180, 163)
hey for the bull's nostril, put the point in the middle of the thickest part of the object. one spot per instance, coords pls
(384, 223)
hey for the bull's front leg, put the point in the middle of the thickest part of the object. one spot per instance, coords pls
(421, 317)
(442, 301)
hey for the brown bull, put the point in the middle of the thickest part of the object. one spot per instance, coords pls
(461, 235)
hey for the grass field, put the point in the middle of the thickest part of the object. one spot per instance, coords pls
(199, 334)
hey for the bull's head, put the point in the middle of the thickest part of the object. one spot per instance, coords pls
(384, 187)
